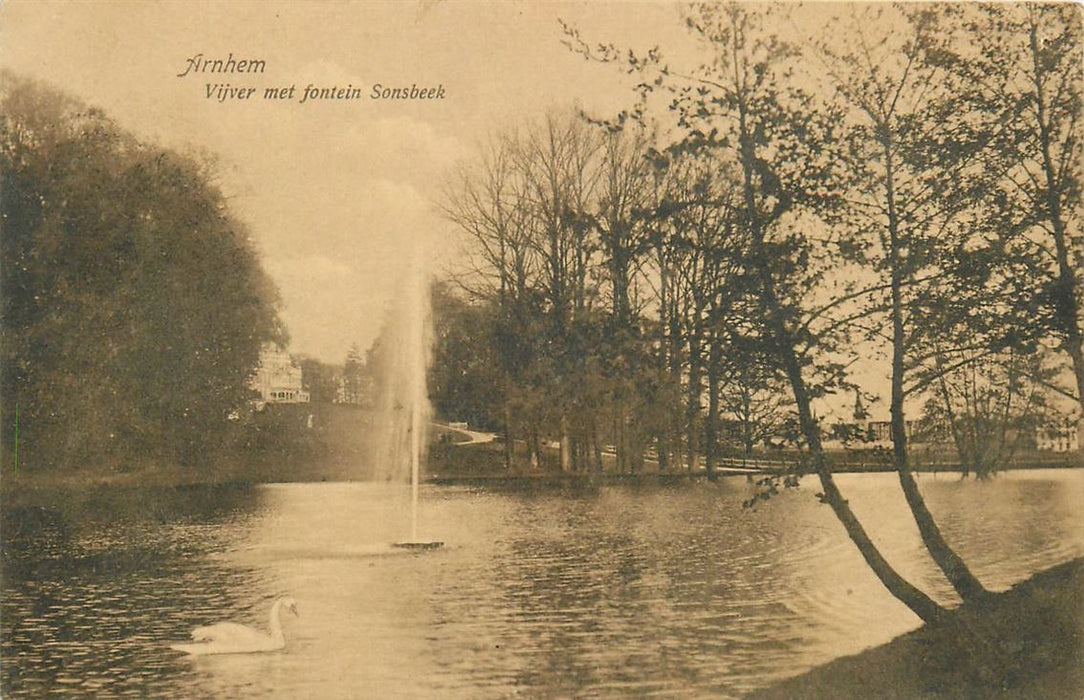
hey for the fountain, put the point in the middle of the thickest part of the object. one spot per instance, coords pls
(402, 358)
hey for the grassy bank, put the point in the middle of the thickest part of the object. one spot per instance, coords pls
(330, 442)
(283, 443)
(1027, 642)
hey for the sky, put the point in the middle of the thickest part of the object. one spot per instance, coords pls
(339, 195)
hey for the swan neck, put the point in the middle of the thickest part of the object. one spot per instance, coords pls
(276, 621)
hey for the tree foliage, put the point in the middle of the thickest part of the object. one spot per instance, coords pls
(922, 204)
(1027, 83)
(134, 307)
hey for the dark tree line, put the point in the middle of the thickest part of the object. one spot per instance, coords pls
(570, 254)
(134, 306)
(756, 224)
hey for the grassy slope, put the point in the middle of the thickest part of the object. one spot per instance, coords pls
(1027, 642)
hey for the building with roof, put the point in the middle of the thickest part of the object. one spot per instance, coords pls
(277, 378)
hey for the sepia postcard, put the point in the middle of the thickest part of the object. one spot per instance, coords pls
(479, 349)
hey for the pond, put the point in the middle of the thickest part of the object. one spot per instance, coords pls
(614, 591)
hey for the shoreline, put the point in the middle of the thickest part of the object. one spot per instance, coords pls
(1026, 642)
(556, 478)
(240, 473)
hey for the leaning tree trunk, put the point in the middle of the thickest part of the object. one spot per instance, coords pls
(950, 563)
(919, 603)
(956, 571)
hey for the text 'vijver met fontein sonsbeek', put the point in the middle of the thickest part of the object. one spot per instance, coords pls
(227, 92)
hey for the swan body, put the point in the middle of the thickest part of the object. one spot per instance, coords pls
(232, 638)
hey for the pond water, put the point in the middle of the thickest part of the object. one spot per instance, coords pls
(615, 591)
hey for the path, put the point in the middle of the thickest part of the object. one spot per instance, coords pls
(476, 438)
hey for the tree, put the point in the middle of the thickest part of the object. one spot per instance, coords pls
(989, 407)
(134, 307)
(706, 265)
(1028, 83)
(552, 215)
(558, 164)
(756, 103)
(465, 382)
(753, 395)
(489, 204)
(318, 378)
(739, 102)
(914, 171)
(623, 204)
(353, 376)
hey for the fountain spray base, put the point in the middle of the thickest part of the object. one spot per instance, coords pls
(418, 546)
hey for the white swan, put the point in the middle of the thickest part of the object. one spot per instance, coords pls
(232, 638)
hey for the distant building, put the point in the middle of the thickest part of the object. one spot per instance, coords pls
(881, 431)
(278, 379)
(1065, 436)
(876, 432)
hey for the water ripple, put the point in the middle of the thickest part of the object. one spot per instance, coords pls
(658, 592)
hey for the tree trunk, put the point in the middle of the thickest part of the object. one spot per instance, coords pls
(676, 345)
(509, 445)
(565, 446)
(692, 407)
(711, 430)
(595, 440)
(619, 438)
(637, 460)
(662, 438)
(535, 447)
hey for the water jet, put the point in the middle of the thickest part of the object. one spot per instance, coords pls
(405, 396)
